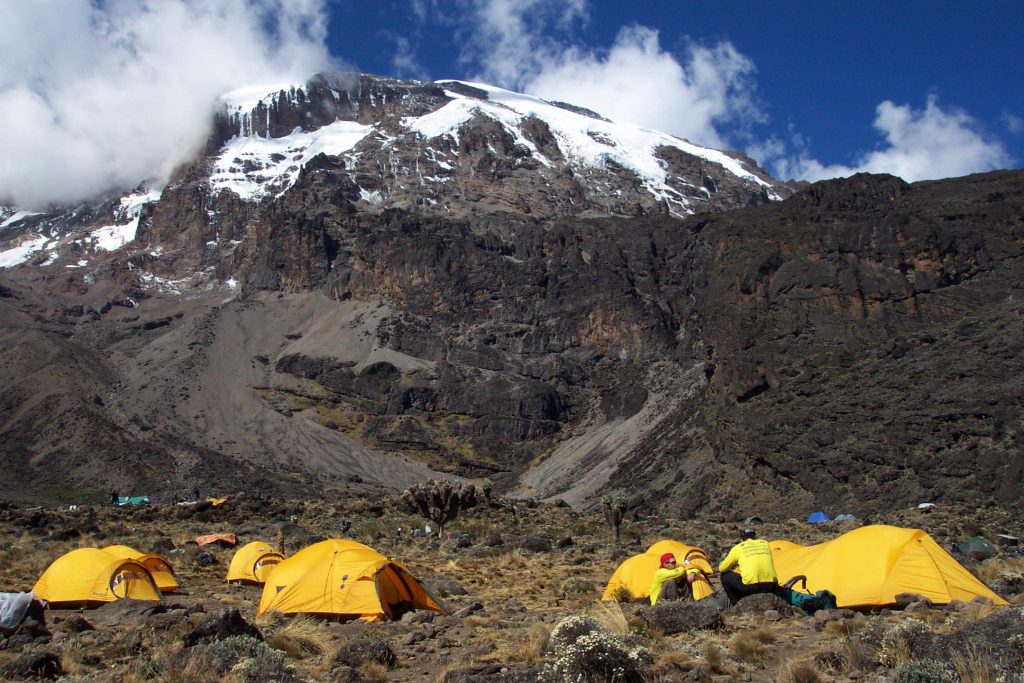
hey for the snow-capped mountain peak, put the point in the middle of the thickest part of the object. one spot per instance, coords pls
(412, 143)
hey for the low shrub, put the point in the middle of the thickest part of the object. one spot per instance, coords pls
(582, 652)
(577, 584)
(925, 671)
(904, 642)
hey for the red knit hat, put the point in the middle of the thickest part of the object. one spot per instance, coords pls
(666, 557)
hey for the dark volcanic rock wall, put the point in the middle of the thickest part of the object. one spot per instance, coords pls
(860, 342)
(865, 345)
(854, 347)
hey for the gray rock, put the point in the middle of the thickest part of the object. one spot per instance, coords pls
(676, 616)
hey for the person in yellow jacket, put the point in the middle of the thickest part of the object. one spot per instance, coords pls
(669, 583)
(756, 572)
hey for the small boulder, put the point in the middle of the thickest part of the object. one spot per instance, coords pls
(444, 587)
(359, 651)
(495, 673)
(761, 602)
(226, 623)
(904, 600)
(469, 609)
(674, 616)
(537, 544)
(75, 623)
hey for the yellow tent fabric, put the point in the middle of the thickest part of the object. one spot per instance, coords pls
(870, 566)
(343, 578)
(253, 562)
(88, 576)
(158, 566)
(635, 573)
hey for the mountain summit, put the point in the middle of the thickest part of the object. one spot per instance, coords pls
(458, 147)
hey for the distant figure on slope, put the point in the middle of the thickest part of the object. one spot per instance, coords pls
(115, 500)
(753, 558)
(671, 582)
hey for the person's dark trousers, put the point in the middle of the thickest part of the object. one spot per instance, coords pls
(736, 589)
(669, 591)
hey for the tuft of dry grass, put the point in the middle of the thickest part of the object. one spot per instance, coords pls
(533, 643)
(991, 570)
(71, 655)
(977, 611)
(480, 621)
(299, 636)
(752, 646)
(713, 657)
(799, 671)
(674, 659)
(373, 671)
(196, 669)
(973, 667)
(610, 616)
(857, 657)
(527, 645)
(844, 628)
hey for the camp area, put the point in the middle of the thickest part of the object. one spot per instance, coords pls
(501, 593)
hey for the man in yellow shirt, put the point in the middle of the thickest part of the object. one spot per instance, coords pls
(666, 583)
(756, 572)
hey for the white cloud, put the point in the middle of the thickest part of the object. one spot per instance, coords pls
(639, 82)
(926, 144)
(102, 95)
(527, 45)
(510, 41)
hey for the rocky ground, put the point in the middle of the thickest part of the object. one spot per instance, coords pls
(522, 582)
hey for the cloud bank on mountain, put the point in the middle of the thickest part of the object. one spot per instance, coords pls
(102, 95)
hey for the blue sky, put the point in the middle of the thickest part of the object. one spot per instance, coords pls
(810, 89)
(98, 95)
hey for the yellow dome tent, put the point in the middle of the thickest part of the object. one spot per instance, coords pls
(345, 579)
(253, 562)
(635, 573)
(870, 566)
(88, 576)
(158, 566)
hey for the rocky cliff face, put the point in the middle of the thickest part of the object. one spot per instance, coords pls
(338, 327)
